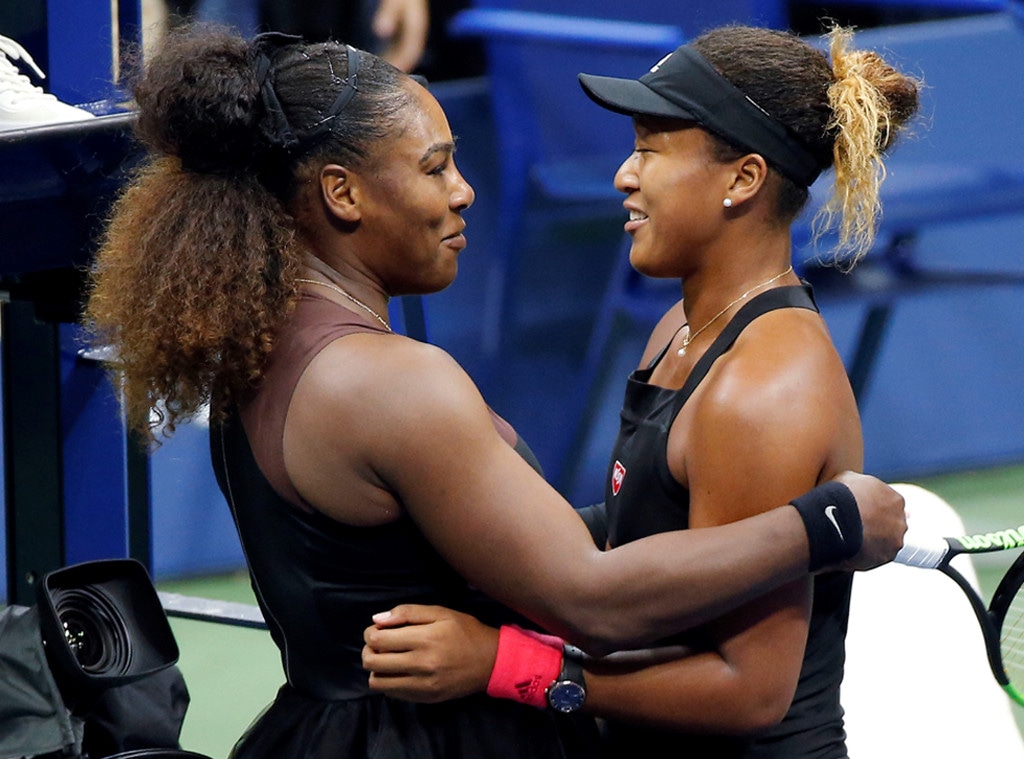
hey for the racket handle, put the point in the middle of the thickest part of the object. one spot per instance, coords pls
(925, 551)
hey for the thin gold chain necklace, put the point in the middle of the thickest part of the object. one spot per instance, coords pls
(352, 298)
(689, 337)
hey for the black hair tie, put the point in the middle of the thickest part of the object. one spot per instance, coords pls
(351, 82)
(279, 131)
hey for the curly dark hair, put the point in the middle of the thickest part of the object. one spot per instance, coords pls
(198, 262)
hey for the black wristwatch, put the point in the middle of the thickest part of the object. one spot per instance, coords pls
(569, 691)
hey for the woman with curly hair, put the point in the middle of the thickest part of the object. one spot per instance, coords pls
(292, 189)
(739, 402)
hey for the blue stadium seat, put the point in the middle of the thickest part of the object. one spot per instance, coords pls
(553, 144)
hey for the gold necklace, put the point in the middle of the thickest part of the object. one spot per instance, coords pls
(689, 337)
(352, 298)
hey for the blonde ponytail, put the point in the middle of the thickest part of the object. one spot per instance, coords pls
(870, 102)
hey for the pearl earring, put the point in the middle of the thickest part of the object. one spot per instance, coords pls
(727, 202)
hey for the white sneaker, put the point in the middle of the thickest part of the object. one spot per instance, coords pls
(22, 104)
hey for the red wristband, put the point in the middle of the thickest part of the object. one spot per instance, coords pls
(526, 664)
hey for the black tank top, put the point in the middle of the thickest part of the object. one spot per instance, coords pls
(643, 498)
(318, 582)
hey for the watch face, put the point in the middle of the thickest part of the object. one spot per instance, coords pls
(566, 696)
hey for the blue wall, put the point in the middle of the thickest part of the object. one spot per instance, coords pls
(947, 393)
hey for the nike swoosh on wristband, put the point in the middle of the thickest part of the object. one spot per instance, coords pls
(830, 514)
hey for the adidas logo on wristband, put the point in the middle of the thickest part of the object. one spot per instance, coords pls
(527, 689)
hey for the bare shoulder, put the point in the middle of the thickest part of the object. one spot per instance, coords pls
(783, 365)
(369, 412)
(371, 373)
(778, 407)
(375, 394)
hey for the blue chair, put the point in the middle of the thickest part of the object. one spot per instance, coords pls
(957, 6)
(554, 146)
(692, 16)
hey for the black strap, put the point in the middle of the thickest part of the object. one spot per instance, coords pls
(796, 296)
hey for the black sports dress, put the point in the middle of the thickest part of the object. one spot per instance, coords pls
(643, 498)
(319, 581)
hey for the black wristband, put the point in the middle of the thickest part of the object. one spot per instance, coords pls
(832, 521)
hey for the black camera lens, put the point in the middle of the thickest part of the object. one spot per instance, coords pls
(94, 629)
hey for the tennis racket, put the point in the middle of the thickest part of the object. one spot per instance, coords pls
(1002, 623)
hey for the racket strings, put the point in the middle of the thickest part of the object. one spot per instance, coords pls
(1011, 642)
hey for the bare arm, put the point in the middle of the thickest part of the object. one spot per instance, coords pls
(743, 678)
(430, 654)
(409, 423)
(751, 454)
